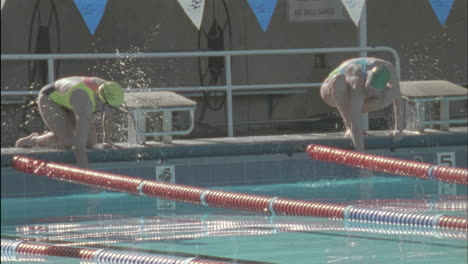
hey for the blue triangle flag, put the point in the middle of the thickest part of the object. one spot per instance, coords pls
(441, 9)
(91, 11)
(263, 10)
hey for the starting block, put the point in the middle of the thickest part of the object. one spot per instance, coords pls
(139, 104)
(417, 95)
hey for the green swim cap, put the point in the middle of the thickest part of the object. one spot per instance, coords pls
(380, 77)
(111, 93)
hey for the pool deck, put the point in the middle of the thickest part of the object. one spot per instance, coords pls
(237, 146)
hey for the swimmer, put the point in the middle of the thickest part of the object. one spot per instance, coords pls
(359, 86)
(67, 107)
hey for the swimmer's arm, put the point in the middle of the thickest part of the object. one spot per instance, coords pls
(82, 108)
(107, 118)
(398, 113)
(357, 102)
(397, 104)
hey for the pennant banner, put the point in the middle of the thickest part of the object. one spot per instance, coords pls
(91, 11)
(354, 8)
(263, 10)
(441, 9)
(194, 10)
(3, 2)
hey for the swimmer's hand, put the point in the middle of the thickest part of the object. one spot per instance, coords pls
(397, 135)
(110, 145)
(348, 133)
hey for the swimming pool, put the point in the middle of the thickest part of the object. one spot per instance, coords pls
(132, 223)
(126, 224)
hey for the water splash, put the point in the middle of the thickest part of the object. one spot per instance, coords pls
(130, 72)
(425, 60)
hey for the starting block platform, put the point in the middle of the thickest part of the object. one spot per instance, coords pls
(139, 104)
(417, 95)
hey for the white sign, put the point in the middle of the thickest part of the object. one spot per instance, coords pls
(446, 159)
(316, 10)
(354, 8)
(194, 10)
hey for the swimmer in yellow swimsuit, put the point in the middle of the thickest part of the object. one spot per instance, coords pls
(67, 107)
(359, 86)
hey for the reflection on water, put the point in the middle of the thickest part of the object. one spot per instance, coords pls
(242, 237)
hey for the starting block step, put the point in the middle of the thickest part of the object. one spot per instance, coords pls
(437, 88)
(154, 100)
(138, 104)
(418, 94)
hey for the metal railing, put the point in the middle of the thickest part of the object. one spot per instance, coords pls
(228, 87)
(444, 121)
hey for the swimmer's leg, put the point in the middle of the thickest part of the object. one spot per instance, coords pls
(341, 94)
(58, 121)
(26, 142)
(326, 91)
(335, 93)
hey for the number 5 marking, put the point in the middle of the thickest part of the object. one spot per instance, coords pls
(446, 159)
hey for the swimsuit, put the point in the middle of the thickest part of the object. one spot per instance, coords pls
(342, 69)
(62, 98)
(379, 78)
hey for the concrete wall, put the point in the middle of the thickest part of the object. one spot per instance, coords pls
(427, 51)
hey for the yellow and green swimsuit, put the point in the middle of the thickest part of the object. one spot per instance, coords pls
(62, 98)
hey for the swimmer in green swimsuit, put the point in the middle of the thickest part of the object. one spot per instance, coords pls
(359, 86)
(67, 107)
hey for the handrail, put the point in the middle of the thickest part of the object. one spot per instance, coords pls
(193, 53)
(228, 87)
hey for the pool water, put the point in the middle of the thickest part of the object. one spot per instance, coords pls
(126, 222)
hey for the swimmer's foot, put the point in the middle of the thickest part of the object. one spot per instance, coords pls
(26, 142)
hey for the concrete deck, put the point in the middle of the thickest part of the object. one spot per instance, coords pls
(238, 146)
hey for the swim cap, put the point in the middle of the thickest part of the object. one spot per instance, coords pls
(380, 77)
(111, 93)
